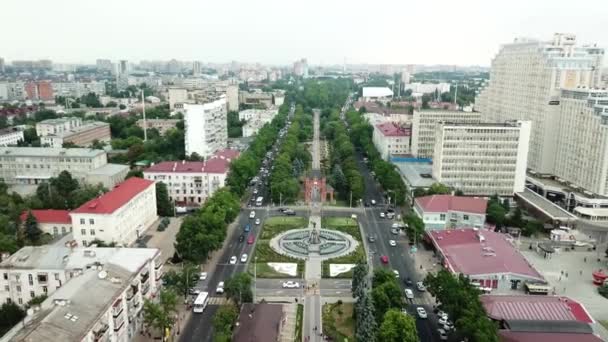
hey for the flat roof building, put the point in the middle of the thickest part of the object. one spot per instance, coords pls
(10, 136)
(391, 139)
(451, 212)
(82, 135)
(206, 127)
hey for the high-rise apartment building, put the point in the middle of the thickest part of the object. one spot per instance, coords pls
(423, 128)
(2, 67)
(123, 67)
(196, 68)
(104, 64)
(525, 83)
(39, 90)
(582, 156)
(206, 127)
(482, 159)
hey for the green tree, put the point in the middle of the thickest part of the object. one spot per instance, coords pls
(382, 276)
(31, 230)
(365, 329)
(98, 145)
(135, 173)
(531, 228)
(223, 322)
(8, 243)
(238, 288)
(161, 315)
(415, 226)
(397, 327)
(386, 296)
(164, 206)
(359, 282)
(64, 183)
(10, 315)
(181, 280)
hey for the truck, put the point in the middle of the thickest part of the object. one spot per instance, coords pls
(259, 201)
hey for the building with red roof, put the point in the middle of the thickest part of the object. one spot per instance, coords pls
(120, 215)
(529, 318)
(391, 138)
(190, 183)
(54, 222)
(486, 257)
(449, 212)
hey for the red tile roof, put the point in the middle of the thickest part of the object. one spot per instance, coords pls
(520, 336)
(49, 216)
(391, 129)
(218, 163)
(116, 198)
(534, 308)
(464, 253)
(445, 203)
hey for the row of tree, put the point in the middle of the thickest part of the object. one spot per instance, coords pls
(460, 300)
(247, 165)
(205, 230)
(378, 312)
(361, 135)
(499, 213)
(344, 173)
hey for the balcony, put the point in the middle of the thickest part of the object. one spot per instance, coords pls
(117, 308)
(132, 291)
(144, 277)
(159, 275)
(100, 334)
(119, 322)
(145, 288)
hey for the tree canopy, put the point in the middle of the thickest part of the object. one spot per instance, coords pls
(397, 327)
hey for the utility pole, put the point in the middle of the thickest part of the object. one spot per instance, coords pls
(255, 279)
(351, 198)
(143, 106)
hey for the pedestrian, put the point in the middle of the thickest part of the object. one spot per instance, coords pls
(581, 272)
(566, 274)
(562, 272)
(585, 259)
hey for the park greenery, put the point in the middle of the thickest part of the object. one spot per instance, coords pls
(10, 315)
(338, 321)
(235, 126)
(238, 288)
(461, 301)
(434, 189)
(344, 175)
(349, 226)
(205, 231)
(160, 315)
(500, 214)
(385, 172)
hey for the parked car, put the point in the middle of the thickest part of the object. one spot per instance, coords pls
(220, 287)
(392, 243)
(281, 210)
(409, 294)
(420, 286)
(194, 292)
(289, 212)
(421, 312)
(353, 216)
(390, 215)
(251, 239)
(291, 284)
(202, 276)
(442, 314)
(384, 259)
(408, 282)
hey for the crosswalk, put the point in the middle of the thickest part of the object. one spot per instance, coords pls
(425, 300)
(218, 301)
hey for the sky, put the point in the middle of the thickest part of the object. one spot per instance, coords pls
(464, 32)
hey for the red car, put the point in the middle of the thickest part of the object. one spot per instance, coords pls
(251, 239)
(384, 259)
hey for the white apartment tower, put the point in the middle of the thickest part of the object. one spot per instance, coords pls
(482, 159)
(525, 83)
(206, 127)
(582, 156)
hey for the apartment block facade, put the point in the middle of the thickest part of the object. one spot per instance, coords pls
(83, 135)
(425, 122)
(10, 136)
(525, 83)
(162, 125)
(57, 126)
(482, 159)
(391, 139)
(206, 127)
(120, 216)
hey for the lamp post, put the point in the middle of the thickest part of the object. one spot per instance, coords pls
(255, 279)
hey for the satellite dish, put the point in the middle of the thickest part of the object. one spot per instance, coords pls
(102, 274)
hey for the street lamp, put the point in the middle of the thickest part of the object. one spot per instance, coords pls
(255, 279)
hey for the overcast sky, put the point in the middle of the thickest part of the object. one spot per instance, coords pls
(464, 32)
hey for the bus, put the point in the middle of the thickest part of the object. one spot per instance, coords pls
(259, 201)
(200, 303)
(537, 289)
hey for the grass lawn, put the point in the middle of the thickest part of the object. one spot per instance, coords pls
(277, 224)
(266, 254)
(299, 322)
(349, 226)
(338, 322)
(604, 324)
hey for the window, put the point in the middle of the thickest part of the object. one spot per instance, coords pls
(30, 279)
(20, 301)
(466, 217)
(63, 230)
(8, 300)
(83, 231)
(56, 276)
(92, 231)
(5, 275)
(91, 221)
(442, 217)
(81, 221)
(18, 288)
(6, 288)
(42, 278)
(45, 290)
(55, 231)
(32, 294)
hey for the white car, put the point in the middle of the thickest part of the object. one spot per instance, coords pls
(382, 215)
(252, 214)
(220, 287)
(202, 276)
(353, 216)
(257, 221)
(255, 191)
(393, 243)
(233, 260)
(396, 273)
(291, 284)
(421, 312)
(420, 286)
(373, 201)
(395, 225)
(409, 294)
(244, 257)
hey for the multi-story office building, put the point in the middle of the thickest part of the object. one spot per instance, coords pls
(525, 83)
(482, 159)
(10, 136)
(423, 128)
(118, 216)
(94, 294)
(57, 126)
(177, 95)
(391, 139)
(39, 90)
(162, 125)
(190, 183)
(83, 135)
(582, 156)
(256, 99)
(51, 221)
(33, 165)
(206, 127)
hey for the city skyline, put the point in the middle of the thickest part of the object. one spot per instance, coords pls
(440, 33)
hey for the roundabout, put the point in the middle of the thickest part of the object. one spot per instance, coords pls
(320, 243)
